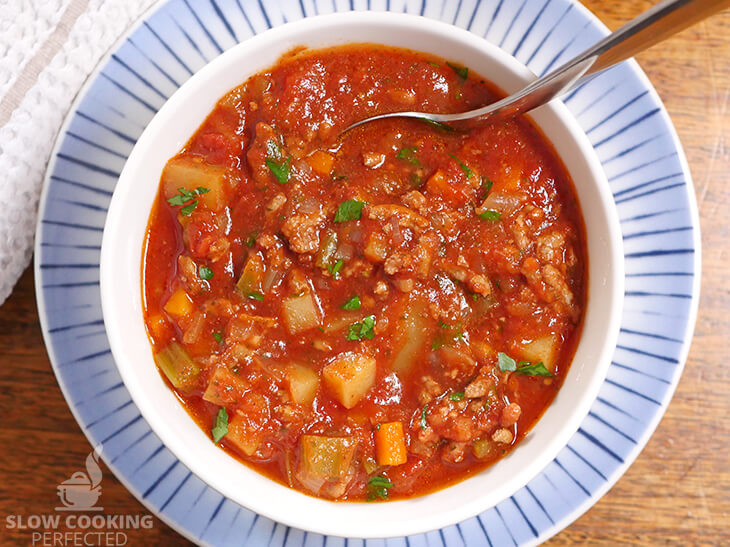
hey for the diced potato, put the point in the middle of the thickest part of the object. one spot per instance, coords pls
(243, 434)
(191, 173)
(543, 349)
(326, 464)
(300, 313)
(252, 275)
(302, 383)
(179, 304)
(390, 444)
(178, 366)
(224, 387)
(321, 162)
(412, 335)
(349, 377)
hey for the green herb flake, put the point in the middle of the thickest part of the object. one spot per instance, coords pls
(336, 176)
(364, 329)
(256, 296)
(534, 369)
(218, 337)
(461, 71)
(251, 239)
(457, 396)
(415, 180)
(409, 154)
(205, 273)
(185, 211)
(487, 184)
(468, 172)
(437, 343)
(350, 209)
(378, 487)
(474, 296)
(335, 268)
(352, 304)
(434, 64)
(280, 170)
(424, 423)
(220, 429)
(490, 214)
(438, 125)
(184, 196)
(506, 363)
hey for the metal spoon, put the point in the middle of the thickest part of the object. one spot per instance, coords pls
(653, 26)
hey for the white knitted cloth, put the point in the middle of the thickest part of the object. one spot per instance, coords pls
(47, 50)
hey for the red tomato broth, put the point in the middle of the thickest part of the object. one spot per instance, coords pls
(478, 286)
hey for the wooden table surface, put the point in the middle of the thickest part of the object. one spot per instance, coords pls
(678, 490)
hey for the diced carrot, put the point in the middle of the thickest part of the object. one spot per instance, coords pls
(179, 304)
(158, 327)
(321, 162)
(390, 444)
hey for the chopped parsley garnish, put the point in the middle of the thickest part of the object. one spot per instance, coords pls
(279, 170)
(490, 214)
(409, 154)
(350, 209)
(276, 163)
(461, 71)
(424, 423)
(457, 396)
(220, 429)
(363, 329)
(335, 268)
(256, 296)
(218, 337)
(352, 304)
(487, 184)
(438, 125)
(205, 273)
(336, 176)
(251, 239)
(507, 364)
(184, 196)
(415, 180)
(434, 64)
(378, 487)
(468, 172)
(533, 369)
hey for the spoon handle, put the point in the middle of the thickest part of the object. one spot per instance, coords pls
(651, 27)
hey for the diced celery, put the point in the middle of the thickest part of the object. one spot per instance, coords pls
(326, 464)
(412, 335)
(252, 275)
(178, 366)
(326, 254)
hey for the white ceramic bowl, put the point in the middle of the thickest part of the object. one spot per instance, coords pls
(121, 256)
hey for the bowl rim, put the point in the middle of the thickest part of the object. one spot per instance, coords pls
(109, 277)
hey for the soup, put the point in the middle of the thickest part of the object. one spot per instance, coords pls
(370, 315)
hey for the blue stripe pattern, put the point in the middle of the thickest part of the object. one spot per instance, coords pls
(621, 116)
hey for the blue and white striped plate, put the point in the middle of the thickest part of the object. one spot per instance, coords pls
(622, 116)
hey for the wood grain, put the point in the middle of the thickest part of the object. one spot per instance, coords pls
(678, 490)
